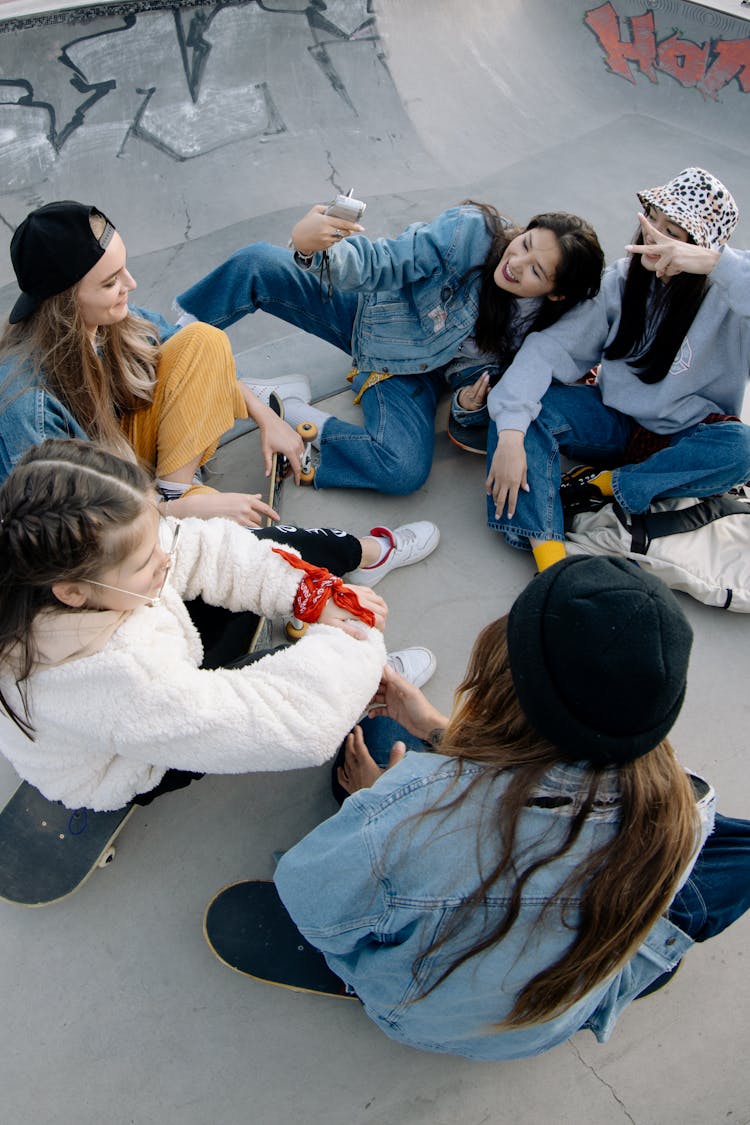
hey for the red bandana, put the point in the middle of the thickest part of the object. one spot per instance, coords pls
(317, 586)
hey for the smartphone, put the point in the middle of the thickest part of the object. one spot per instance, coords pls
(346, 207)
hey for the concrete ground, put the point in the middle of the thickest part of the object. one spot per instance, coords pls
(201, 128)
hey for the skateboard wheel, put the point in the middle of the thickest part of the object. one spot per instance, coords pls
(107, 856)
(308, 431)
(295, 629)
(307, 476)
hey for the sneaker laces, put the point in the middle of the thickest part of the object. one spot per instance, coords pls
(403, 541)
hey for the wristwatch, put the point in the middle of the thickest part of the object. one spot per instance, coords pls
(304, 260)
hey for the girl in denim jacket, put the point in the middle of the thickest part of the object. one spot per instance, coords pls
(443, 302)
(550, 861)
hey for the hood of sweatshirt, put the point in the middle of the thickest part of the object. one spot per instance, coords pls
(60, 637)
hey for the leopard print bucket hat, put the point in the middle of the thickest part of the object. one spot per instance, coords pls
(699, 203)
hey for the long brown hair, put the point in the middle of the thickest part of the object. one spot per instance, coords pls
(622, 887)
(68, 511)
(97, 385)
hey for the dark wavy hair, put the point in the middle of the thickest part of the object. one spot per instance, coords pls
(577, 277)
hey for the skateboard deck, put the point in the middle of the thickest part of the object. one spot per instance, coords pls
(248, 928)
(48, 851)
(262, 636)
(472, 439)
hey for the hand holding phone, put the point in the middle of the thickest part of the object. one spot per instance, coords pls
(319, 230)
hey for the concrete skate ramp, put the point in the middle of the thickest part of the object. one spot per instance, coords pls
(198, 128)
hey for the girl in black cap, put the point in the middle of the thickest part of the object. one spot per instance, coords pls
(77, 361)
(551, 860)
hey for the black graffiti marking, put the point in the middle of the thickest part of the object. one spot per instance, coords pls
(274, 125)
(98, 90)
(195, 42)
(195, 50)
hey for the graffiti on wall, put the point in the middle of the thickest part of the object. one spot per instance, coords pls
(175, 107)
(708, 67)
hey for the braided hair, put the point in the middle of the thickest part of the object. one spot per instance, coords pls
(68, 512)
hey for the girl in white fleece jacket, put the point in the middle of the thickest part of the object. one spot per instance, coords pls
(102, 696)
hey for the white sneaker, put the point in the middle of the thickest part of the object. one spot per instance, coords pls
(286, 386)
(410, 543)
(417, 665)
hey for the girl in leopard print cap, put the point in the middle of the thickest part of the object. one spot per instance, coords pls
(669, 335)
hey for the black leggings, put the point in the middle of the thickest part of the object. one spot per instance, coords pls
(337, 551)
(226, 635)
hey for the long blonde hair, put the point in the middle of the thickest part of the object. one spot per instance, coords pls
(98, 385)
(622, 887)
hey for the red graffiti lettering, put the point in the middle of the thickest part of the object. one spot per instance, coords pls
(732, 61)
(641, 49)
(684, 61)
(708, 67)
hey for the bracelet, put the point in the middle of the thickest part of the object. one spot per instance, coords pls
(300, 258)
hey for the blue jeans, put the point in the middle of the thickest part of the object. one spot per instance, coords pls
(392, 451)
(704, 460)
(379, 734)
(718, 890)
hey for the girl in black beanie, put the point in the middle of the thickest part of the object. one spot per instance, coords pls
(550, 860)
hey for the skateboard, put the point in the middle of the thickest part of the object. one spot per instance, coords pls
(248, 928)
(472, 439)
(48, 851)
(308, 431)
(262, 636)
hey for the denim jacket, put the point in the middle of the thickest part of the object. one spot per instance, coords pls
(376, 884)
(415, 304)
(29, 413)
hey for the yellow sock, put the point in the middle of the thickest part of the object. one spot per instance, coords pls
(547, 553)
(603, 482)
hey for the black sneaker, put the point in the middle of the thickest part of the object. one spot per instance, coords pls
(471, 438)
(578, 494)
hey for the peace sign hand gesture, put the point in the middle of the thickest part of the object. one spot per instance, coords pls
(667, 257)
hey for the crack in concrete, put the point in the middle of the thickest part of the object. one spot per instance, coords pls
(333, 174)
(598, 1077)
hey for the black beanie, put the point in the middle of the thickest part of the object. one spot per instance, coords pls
(599, 653)
(52, 249)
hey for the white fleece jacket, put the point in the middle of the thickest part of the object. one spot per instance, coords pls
(109, 724)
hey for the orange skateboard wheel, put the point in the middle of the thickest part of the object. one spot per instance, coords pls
(295, 629)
